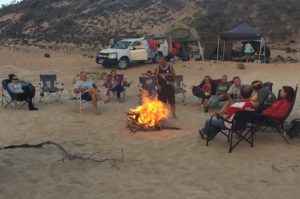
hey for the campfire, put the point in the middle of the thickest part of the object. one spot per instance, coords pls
(149, 115)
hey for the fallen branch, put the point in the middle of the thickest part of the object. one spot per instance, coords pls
(70, 156)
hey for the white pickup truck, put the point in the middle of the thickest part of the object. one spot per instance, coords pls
(127, 51)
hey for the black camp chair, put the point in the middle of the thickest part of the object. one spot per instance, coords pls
(50, 87)
(180, 87)
(8, 97)
(245, 134)
(277, 128)
(225, 132)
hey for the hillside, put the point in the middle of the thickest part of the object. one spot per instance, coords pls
(93, 22)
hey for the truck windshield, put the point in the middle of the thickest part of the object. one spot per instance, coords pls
(121, 45)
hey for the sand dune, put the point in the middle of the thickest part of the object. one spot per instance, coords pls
(165, 164)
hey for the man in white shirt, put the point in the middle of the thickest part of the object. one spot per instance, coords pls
(87, 88)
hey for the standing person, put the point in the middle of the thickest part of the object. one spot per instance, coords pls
(249, 50)
(88, 89)
(165, 77)
(23, 89)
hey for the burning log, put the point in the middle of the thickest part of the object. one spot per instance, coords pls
(149, 116)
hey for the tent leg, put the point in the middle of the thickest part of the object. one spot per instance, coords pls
(218, 48)
(224, 50)
(261, 40)
(200, 50)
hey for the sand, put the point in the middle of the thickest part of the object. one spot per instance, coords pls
(165, 164)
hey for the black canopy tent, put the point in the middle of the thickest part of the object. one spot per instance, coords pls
(241, 32)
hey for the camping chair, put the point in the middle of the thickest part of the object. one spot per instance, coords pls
(8, 97)
(50, 87)
(277, 128)
(180, 87)
(225, 132)
(125, 84)
(268, 85)
(246, 135)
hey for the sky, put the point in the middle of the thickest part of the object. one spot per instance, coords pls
(5, 2)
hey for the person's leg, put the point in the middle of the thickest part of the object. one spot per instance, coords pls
(28, 97)
(171, 100)
(244, 117)
(211, 128)
(119, 90)
(173, 109)
(205, 104)
(213, 101)
(93, 93)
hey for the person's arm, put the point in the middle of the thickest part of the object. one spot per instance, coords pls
(156, 78)
(13, 89)
(277, 111)
(79, 88)
(173, 74)
(230, 92)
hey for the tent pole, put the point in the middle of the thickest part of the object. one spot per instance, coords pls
(224, 50)
(218, 48)
(200, 50)
(261, 40)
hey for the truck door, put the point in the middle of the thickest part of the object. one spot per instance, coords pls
(138, 52)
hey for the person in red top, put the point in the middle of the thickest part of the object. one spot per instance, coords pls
(275, 113)
(207, 90)
(211, 128)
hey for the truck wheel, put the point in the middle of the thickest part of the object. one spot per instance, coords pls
(97, 61)
(123, 63)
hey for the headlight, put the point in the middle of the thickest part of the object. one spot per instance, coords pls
(112, 56)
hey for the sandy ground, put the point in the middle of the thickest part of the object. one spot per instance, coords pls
(166, 164)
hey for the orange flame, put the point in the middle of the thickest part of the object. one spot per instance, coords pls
(150, 113)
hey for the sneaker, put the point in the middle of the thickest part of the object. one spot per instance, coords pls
(33, 109)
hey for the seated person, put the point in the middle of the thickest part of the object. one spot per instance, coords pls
(234, 92)
(88, 89)
(115, 84)
(221, 93)
(198, 90)
(207, 91)
(148, 82)
(275, 113)
(22, 89)
(220, 124)
(262, 96)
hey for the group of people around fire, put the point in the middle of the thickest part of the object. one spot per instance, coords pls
(255, 102)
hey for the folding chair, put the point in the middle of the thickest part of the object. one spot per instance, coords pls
(8, 97)
(124, 83)
(79, 101)
(228, 133)
(268, 85)
(277, 128)
(50, 87)
(180, 87)
(225, 132)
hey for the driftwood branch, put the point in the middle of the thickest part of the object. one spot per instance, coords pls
(72, 156)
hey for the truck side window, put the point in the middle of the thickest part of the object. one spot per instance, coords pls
(138, 45)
